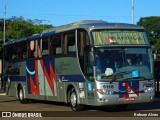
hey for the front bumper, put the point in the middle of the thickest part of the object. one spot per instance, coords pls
(115, 99)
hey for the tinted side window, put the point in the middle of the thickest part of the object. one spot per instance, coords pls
(14, 55)
(69, 43)
(31, 49)
(45, 46)
(22, 50)
(84, 52)
(55, 45)
(8, 53)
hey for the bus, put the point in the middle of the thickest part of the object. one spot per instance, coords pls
(89, 62)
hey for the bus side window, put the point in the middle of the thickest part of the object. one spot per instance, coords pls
(31, 49)
(45, 45)
(19, 51)
(55, 45)
(8, 53)
(24, 50)
(38, 49)
(69, 43)
(83, 42)
(14, 52)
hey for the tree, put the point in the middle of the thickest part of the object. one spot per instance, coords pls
(152, 26)
(18, 27)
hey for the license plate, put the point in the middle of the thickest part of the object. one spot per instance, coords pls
(130, 99)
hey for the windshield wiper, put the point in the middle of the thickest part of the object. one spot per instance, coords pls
(119, 73)
(140, 77)
(127, 79)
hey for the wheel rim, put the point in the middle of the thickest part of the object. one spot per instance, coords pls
(21, 94)
(73, 99)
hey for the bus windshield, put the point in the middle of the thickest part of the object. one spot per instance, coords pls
(123, 64)
(105, 37)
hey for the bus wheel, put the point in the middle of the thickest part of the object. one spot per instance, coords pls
(121, 107)
(21, 96)
(73, 101)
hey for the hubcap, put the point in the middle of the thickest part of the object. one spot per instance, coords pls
(20, 94)
(73, 99)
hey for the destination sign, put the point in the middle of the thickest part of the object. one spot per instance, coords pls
(102, 37)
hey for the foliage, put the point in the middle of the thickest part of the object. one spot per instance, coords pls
(152, 26)
(18, 27)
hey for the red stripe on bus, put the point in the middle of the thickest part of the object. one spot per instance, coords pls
(34, 89)
(49, 78)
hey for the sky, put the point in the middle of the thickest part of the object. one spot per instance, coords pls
(61, 12)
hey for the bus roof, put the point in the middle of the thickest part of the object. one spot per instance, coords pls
(92, 24)
(12, 41)
(84, 24)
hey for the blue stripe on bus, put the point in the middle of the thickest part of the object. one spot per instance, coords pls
(122, 91)
(71, 78)
(30, 72)
(17, 78)
(63, 78)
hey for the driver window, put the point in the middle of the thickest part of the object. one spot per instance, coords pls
(83, 42)
(89, 62)
(84, 53)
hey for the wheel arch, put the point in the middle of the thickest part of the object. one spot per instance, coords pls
(19, 85)
(69, 87)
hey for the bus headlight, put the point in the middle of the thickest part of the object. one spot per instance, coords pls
(148, 89)
(109, 92)
(98, 77)
(104, 91)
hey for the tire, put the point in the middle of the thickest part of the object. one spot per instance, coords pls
(21, 96)
(73, 101)
(121, 107)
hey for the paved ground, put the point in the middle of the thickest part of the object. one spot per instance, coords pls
(52, 109)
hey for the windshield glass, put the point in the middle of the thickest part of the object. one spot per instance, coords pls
(104, 37)
(121, 64)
